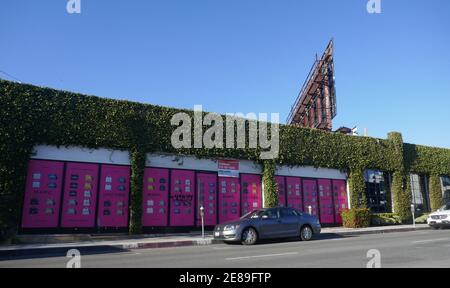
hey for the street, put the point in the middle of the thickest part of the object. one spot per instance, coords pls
(426, 248)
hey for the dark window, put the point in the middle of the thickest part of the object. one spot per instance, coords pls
(376, 191)
(445, 181)
(288, 212)
(271, 213)
(419, 193)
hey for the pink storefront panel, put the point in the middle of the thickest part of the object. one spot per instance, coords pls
(155, 200)
(207, 197)
(294, 193)
(281, 191)
(340, 198)
(310, 196)
(229, 199)
(114, 196)
(251, 192)
(80, 195)
(326, 201)
(42, 194)
(182, 198)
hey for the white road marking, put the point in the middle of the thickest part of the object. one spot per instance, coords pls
(261, 256)
(430, 241)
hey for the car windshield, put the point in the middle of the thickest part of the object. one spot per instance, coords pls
(253, 214)
(445, 207)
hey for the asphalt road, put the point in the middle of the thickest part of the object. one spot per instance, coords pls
(425, 248)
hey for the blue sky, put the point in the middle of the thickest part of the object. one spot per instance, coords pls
(392, 69)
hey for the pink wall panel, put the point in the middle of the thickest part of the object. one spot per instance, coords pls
(340, 198)
(310, 196)
(207, 196)
(114, 196)
(155, 200)
(42, 194)
(229, 199)
(326, 201)
(251, 192)
(294, 193)
(182, 198)
(80, 194)
(281, 191)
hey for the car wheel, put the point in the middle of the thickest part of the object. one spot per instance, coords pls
(435, 227)
(249, 236)
(306, 233)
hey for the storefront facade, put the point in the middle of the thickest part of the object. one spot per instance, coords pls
(72, 189)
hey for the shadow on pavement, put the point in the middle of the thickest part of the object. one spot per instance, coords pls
(57, 252)
(322, 236)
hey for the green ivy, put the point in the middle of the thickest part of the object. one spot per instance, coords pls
(137, 179)
(357, 186)
(270, 185)
(436, 201)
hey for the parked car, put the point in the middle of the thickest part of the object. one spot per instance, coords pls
(440, 218)
(268, 224)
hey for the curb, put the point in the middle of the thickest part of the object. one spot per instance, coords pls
(386, 231)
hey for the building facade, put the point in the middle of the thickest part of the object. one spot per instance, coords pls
(73, 162)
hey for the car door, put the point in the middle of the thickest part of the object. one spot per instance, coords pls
(289, 222)
(269, 224)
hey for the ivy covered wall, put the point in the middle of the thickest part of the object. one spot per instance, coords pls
(31, 115)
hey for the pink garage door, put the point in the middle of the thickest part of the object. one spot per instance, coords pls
(207, 197)
(229, 199)
(326, 202)
(310, 196)
(182, 198)
(42, 194)
(155, 200)
(80, 195)
(294, 193)
(114, 196)
(340, 198)
(251, 192)
(281, 191)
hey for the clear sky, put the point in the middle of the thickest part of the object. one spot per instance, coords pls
(392, 69)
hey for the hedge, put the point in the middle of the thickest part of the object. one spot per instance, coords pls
(31, 115)
(383, 219)
(356, 218)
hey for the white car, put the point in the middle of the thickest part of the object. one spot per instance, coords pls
(440, 218)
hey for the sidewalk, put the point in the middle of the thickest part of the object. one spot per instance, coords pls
(126, 242)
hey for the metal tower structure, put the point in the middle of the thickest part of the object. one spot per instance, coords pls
(315, 106)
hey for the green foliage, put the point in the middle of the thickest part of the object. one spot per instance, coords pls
(435, 189)
(31, 115)
(137, 180)
(383, 219)
(422, 219)
(270, 185)
(401, 193)
(356, 218)
(357, 186)
(401, 184)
